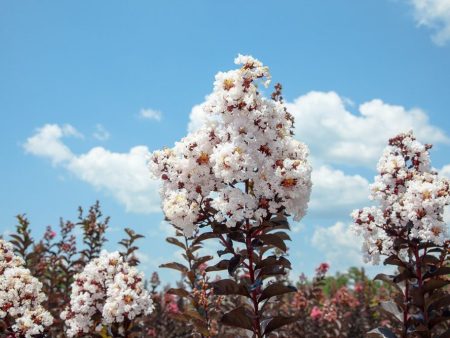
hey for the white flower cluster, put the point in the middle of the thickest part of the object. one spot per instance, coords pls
(243, 163)
(412, 198)
(20, 295)
(107, 291)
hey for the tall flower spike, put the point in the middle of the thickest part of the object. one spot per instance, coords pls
(412, 198)
(245, 139)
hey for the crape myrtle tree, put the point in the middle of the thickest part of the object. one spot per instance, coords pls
(408, 229)
(237, 178)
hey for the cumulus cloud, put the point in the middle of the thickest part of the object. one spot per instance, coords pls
(434, 14)
(196, 118)
(101, 133)
(124, 176)
(150, 114)
(335, 135)
(341, 247)
(46, 142)
(334, 192)
(445, 170)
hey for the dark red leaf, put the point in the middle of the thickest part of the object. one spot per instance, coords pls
(203, 236)
(394, 260)
(431, 285)
(277, 322)
(276, 289)
(229, 287)
(234, 264)
(239, 317)
(200, 260)
(273, 240)
(222, 265)
(174, 265)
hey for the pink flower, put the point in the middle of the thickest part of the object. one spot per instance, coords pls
(359, 287)
(202, 267)
(316, 313)
(171, 303)
(151, 332)
(49, 233)
(173, 308)
(322, 269)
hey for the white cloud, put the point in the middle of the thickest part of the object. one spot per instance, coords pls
(445, 170)
(341, 247)
(333, 191)
(101, 133)
(434, 14)
(196, 118)
(162, 231)
(46, 142)
(335, 135)
(150, 114)
(122, 175)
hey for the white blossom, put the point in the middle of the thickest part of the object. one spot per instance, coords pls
(21, 295)
(242, 164)
(411, 199)
(107, 291)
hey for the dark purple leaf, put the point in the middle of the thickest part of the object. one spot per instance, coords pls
(175, 265)
(234, 264)
(394, 260)
(203, 236)
(222, 265)
(200, 260)
(433, 284)
(273, 240)
(277, 322)
(175, 241)
(445, 270)
(239, 317)
(229, 287)
(276, 289)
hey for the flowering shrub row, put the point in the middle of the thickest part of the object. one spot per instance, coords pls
(87, 291)
(108, 298)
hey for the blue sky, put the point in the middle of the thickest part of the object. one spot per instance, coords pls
(76, 79)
